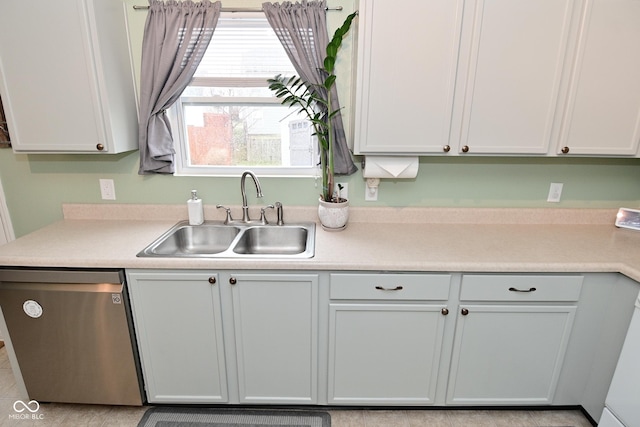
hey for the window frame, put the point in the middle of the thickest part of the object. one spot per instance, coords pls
(181, 144)
(183, 166)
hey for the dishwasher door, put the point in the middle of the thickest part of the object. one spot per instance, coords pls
(623, 399)
(72, 336)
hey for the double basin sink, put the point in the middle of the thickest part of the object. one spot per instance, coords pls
(217, 240)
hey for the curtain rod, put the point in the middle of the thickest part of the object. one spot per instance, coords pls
(246, 9)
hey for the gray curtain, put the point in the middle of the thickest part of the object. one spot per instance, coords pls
(302, 30)
(176, 35)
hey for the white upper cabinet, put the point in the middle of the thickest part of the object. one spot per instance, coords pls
(501, 77)
(479, 76)
(407, 61)
(515, 67)
(65, 76)
(603, 109)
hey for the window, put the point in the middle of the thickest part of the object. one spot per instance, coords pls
(228, 120)
(5, 140)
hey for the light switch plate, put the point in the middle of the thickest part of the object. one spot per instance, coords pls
(628, 218)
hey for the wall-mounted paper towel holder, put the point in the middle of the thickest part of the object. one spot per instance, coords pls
(394, 167)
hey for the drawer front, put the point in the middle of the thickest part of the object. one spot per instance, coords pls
(506, 287)
(386, 286)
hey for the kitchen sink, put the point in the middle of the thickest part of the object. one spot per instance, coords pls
(217, 240)
(187, 240)
(284, 240)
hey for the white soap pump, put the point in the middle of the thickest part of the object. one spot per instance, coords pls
(196, 211)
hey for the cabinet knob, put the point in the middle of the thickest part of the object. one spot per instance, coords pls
(565, 150)
(212, 280)
(233, 280)
(465, 148)
(444, 311)
(446, 148)
(100, 147)
(464, 311)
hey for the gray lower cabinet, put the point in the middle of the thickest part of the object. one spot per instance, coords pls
(223, 337)
(511, 336)
(178, 323)
(275, 320)
(379, 338)
(385, 337)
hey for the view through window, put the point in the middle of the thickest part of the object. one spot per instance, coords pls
(228, 119)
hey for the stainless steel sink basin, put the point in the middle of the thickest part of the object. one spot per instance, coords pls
(216, 240)
(188, 240)
(283, 240)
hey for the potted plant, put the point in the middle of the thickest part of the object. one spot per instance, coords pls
(314, 100)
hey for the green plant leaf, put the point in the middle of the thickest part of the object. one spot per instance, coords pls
(333, 114)
(332, 48)
(346, 25)
(329, 63)
(329, 81)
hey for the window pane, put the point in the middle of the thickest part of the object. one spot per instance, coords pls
(231, 92)
(244, 47)
(230, 118)
(248, 135)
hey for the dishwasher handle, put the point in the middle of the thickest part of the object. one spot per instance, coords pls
(66, 276)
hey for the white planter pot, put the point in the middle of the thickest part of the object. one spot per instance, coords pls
(333, 216)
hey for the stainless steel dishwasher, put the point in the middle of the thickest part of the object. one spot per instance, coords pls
(72, 335)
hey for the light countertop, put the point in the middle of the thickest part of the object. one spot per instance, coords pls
(399, 239)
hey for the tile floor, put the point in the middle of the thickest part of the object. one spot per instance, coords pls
(67, 415)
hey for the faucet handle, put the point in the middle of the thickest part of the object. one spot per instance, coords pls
(228, 219)
(263, 218)
(279, 213)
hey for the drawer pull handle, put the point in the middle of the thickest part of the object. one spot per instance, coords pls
(522, 290)
(382, 288)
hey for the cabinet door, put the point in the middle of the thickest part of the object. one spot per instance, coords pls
(407, 61)
(603, 112)
(506, 355)
(384, 353)
(515, 68)
(63, 90)
(609, 420)
(275, 318)
(178, 325)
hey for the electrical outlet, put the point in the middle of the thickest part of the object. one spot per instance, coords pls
(107, 189)
(345, 189)
(371, 189)
(555, 192)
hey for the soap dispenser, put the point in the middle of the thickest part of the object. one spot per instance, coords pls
(196, 211)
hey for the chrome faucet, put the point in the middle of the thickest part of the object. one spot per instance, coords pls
(279, 213)
(245, 206)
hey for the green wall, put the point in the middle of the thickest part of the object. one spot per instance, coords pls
(37, 185)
